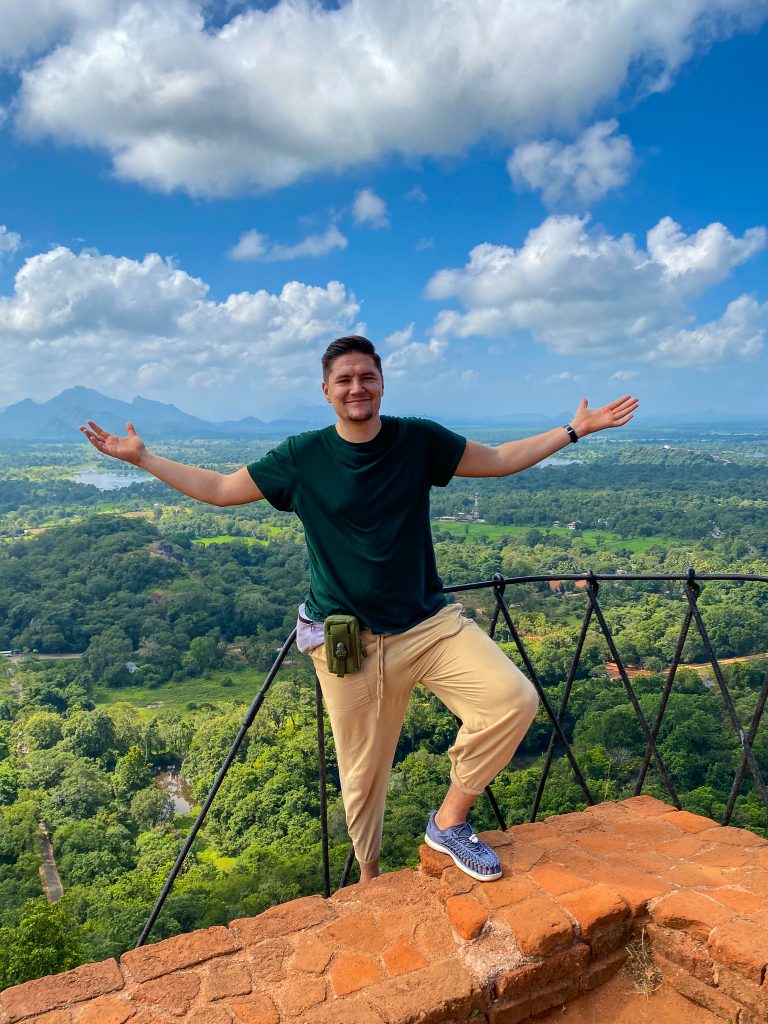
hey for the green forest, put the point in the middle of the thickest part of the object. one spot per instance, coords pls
(138, 626)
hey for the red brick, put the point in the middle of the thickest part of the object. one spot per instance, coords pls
(270, 959)
(296, 995)
(754, 997)
(507, 891)
(606, 813)
(58, 990)
(106, 1010)
(742, 945)
(358, 931)
(743, 902)
(698, 875)
(555, 995)
(689, 822)
(413, 997)
(594, 908)
(173, 994)
(572, 821)
(435, 938)
(685, 847)
(734, 836)
(648, 806)
(312, 955)
(599, 842)
(520, 857)
(539, 926)
(635, 889)
(691, 912)
(512, 1013)
(432, 861)
(454, 882)
(601, 970)
(54, 1017)
(227, 979)
(467, 916)
(209, 1015)
(723, 856)
(259, 1009)
(352, 971)
(393, 888)
(402, 957)
(161, 958)
(526, 977)
(762, 858)
(495, 838)
(697, 991)
(529, 832)
(283, 920)
(605, 940)
(350, 1010)
(555, 879)
(682, 950)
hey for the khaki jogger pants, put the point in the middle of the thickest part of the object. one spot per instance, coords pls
(450, 655)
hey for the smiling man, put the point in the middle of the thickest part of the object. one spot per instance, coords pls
(361, 489)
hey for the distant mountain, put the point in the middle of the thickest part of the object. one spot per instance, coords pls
(59, 418)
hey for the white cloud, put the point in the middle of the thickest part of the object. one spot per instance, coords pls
(740, 332)
(113, 322)
(412, 358)
(598, 161)
(397, 339)
(557, 378)
(301, 88)
(253, 245)
(9, 241)
(370, 209)
(422, 244)
(416, 195)
(624, 375)
(585, 291)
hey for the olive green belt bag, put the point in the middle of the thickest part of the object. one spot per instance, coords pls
(344, 651)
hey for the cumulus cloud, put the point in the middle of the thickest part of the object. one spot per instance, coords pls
(9, 241)
(253, 245)
(585, 291)
(113, 322)
(416, 195)
(397, 339)
(739, 332)
(598, 161)
(370, 209)
(412, 358)
(300, 87)
(624, 375)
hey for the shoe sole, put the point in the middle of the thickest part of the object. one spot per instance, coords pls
(462, 867)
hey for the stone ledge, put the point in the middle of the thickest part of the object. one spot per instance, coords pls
(433, 945)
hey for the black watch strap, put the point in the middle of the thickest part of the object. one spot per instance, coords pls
(571, 433)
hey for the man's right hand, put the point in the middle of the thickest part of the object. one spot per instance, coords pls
(127, 449)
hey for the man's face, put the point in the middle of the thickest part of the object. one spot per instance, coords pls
(354, 387)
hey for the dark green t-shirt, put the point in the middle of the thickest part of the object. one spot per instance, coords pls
(365, 510)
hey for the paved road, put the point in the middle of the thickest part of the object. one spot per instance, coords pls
(51, 881)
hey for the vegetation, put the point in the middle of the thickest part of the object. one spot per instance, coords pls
(171, 614)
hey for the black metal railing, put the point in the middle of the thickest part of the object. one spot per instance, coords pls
(691, 584)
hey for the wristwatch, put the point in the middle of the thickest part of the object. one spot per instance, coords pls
(571, 433)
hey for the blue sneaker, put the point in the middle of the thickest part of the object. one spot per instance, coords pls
(464, 848)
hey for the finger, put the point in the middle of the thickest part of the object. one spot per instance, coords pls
(98, 431)
(131, 429)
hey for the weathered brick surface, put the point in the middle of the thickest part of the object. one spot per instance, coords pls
(45, 994)
(691, 912)
(682, 950)
(594, 908)
(181, 951)
(283, 920)
(539, 926)
(466, 915)
(436, 947)
(698, 992)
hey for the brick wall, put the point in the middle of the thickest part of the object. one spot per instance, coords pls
(435, 947)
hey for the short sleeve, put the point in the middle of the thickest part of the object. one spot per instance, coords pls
(444, 452)
(275, 476)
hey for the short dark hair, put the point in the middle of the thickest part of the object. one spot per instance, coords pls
(350, 343)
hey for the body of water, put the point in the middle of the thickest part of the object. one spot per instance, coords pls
(107, 481)
(177, 787)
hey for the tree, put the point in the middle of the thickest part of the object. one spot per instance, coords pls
(131, 773)
(46, 941)
(42, 730)
(151, 806)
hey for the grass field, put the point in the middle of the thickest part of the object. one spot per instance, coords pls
(177, 696)
(228, 539)
(594, 538)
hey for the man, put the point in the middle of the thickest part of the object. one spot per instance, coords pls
(361, 488)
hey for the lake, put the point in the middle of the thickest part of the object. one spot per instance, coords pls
(107, 481)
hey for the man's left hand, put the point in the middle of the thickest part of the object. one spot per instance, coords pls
(615, 414)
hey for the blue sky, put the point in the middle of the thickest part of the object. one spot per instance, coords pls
(520, 202)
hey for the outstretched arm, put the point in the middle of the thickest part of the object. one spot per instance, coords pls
(483, 460)
(203, 484)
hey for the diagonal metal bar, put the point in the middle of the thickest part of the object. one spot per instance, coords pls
(247, 723)
(732, 713)
(561, 713)
(532, 675)
(739, 777)
(591, 592)
(664, 698)
(347, 867)
(323, 783)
